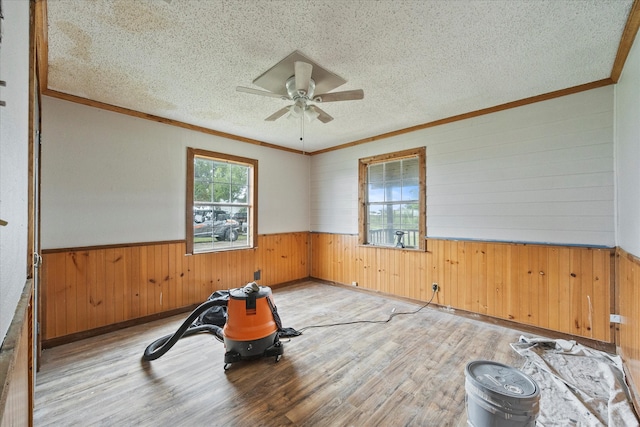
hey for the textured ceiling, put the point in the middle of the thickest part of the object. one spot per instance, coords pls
(417, 61)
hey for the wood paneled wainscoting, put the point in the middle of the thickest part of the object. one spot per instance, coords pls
(16, 365)
(628, 289)
(85, 289)
(560, 288)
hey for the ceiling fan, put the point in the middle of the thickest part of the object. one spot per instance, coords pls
(298, 79)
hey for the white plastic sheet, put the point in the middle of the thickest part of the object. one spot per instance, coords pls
(579, 386)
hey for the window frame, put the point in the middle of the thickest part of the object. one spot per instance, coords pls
(192, 153)
(363, 165)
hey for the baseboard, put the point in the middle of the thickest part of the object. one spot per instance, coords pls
(535, 330)
(66, 339)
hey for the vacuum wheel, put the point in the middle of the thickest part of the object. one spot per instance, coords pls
(228, 365)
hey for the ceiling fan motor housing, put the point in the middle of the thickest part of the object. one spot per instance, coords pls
(295, 94)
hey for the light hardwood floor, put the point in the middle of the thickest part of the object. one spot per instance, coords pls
(409, 371)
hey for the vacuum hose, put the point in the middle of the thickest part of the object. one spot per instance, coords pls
(162, 345)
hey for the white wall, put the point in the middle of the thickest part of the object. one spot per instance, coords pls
(14, 157)
(538, 173)
(109, 178)
(627, 130)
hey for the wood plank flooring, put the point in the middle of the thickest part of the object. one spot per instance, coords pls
(409, 371)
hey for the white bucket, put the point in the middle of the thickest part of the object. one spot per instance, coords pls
(498, 395)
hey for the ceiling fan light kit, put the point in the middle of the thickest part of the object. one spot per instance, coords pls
(297, 78)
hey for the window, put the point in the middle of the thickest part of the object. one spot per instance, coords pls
(392, 199)
(221, 195)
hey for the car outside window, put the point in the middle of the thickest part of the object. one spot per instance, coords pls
(221, 194)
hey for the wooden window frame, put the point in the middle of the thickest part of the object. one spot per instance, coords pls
(192, 153)
(363, 165)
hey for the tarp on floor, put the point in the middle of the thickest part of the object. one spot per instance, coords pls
(579, 386)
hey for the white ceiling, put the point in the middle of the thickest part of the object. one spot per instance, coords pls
(417, 61)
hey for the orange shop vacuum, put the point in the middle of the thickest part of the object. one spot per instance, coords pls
(245, 319)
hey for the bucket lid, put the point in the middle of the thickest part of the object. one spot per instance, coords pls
(501, 379)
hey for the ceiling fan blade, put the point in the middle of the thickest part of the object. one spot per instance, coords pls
(303, 72)
(322, 115)
(275, 116)
(347, 95)
(259, 92)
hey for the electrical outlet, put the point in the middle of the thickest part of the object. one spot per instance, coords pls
(435, 287)
(354, 283)
(256, 275)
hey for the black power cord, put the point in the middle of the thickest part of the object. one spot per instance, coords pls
(391, 316)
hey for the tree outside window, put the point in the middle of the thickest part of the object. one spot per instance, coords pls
(221, 190)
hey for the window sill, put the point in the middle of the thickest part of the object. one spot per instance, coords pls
(393, 248)
(243, 248)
